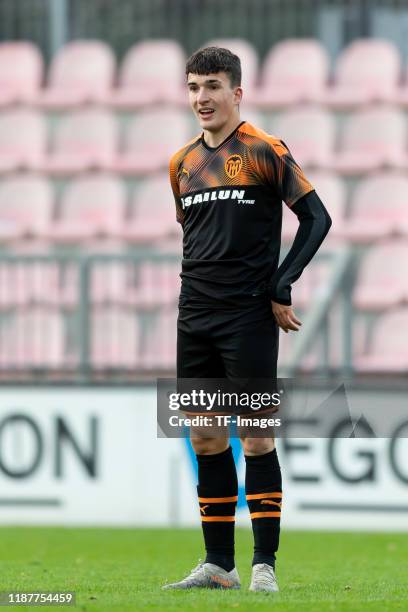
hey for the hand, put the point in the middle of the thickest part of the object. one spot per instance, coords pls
(285, 317)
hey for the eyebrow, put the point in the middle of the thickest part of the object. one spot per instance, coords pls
(208, 81)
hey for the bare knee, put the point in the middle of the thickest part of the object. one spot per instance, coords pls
(257, 446)
(209, 446)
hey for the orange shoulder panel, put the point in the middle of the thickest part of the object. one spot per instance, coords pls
(176, 157)
(273, 141)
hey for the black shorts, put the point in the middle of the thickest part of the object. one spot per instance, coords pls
(239, 344)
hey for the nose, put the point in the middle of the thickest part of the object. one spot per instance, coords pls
(202, 96)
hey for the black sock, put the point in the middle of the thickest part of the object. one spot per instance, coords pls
(217, 495)
(263, 487)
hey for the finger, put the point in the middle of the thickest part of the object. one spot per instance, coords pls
(281, 321)
(295, 321)
(291, 325)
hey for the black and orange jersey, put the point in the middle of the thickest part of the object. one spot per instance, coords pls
(229, 202)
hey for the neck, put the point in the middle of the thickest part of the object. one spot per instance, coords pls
(213, 139)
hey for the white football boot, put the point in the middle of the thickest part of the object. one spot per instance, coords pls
(263, 578)
(207, 576)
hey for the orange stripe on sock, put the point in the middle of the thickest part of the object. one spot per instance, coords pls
(264, 495)
(268, 502)
(220, 519)
(217, 500)
(255, 515)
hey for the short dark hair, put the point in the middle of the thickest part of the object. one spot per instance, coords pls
(211, 60)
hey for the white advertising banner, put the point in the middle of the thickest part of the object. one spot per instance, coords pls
(91, 456)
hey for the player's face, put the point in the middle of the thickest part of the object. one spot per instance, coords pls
(213, 100)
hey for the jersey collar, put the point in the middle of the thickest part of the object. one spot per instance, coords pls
(223, 142)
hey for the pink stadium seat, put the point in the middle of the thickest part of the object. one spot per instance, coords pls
(115, 338)
(309, 133)
(29, 283)
(92, 207)
(293, 71)
(153, 213)
(32, 339)
(158, 284)
(85, 140)
(366, 71)
(172, 245)
(152, 137)
(23, 139)
(379, 208)
(389, 348)
(332, 191)
(160, 347)
(372, 139)
(81, 72)
(141, 84)
(26, 207)
(110, 279)
(21, 72)
(380, 282)
(249, 60)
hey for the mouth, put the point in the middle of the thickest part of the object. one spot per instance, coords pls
(206, 113)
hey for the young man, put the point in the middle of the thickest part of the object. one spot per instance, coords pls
(228, 185)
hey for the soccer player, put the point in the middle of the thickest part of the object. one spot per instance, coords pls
(229, 183)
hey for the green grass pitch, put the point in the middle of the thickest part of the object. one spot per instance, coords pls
(123, 569)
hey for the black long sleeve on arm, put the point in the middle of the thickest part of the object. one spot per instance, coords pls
(314, 224)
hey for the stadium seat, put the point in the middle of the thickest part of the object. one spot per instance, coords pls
(153, 213)
(23, 140)
(84, 140)
(26, 207)
(151, 138)
(21, 72)
(379, 208)
(32, 281)
(142, 84)
(92, 207)
(309, 133)
(366, 71)
(293, 71)
(110, 279)
(379, 282)
(372, 139)
(160, 347)
(249, 61)
(115, 338)
(158, 285)
(82, 72)
(32, 338)
(332, 191)
(388, 352)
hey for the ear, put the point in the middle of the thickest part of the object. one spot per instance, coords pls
(238, 93)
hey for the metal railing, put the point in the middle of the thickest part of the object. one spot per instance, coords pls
(113, 317)
(52, 23)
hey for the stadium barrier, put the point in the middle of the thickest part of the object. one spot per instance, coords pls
(112, 317)
(52, 23)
